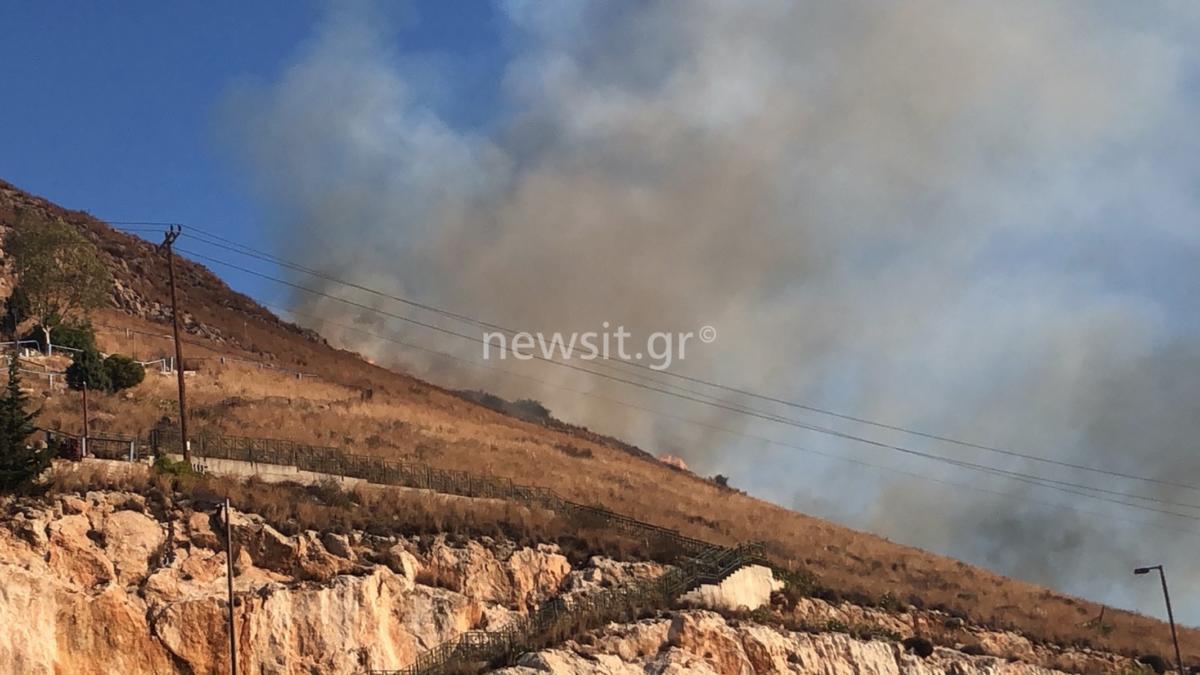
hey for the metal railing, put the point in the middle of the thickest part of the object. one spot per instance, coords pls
(100, 446)
(383, 471)
(111, 446)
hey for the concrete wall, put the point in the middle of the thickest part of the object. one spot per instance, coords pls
(269, 473)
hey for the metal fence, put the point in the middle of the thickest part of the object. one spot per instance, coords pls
(127, 448)
(56, 379)
(101, 446)
(422, 476)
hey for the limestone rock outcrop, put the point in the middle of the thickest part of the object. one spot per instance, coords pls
(105, 583)
(528, 577)
(704, 643)
(96, 584)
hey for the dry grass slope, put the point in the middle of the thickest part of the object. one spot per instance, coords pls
(411, 419)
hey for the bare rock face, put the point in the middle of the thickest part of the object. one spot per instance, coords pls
(338, 545)
(97, 586)
(52, 626)
(402, 562)
(635, 642)
(526, 578)
(815, 612)
(536, 574)
(1007, 645)
(561, 661)
(74, 556)
(703, 642)
(131, 539)
(471, 570)
(707, 635)
(303, 557)
(200, 530)
(604, 572)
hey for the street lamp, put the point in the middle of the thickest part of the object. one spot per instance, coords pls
(1162, 575)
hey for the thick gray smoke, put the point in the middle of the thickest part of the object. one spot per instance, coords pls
(973, 218)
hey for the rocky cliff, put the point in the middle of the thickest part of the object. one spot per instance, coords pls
(100, 584)
(107, 582)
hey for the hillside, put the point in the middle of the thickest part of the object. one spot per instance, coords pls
(110, 573)
(406, 418)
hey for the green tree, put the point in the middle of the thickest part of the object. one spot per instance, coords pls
(16, 310)
(80, 336)
(59, 273)
(88, 367)
(20, 463)
(123, 372)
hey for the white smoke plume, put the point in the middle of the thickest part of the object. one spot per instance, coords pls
(973, 218)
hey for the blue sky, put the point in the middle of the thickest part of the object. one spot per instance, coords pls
(114, 112)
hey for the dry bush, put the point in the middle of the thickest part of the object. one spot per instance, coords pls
(83, 477)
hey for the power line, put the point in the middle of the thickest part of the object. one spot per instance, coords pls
(267, 257)
(242, 249)
(208, 346)
(248, 251)
(1064, 486)
(771, 441)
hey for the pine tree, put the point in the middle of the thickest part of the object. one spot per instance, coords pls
(20, 463)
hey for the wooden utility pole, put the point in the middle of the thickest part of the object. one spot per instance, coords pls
(83, 441)
(229, 581)
(168, 242)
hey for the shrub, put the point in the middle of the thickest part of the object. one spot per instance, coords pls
(1154, 662)
(123, 372)
(573, 451)
(836, 626)
(526, 409)
(531, 410)
(88, 368)
(16, 310)
(763, 615)
(891, 603)
(796, 584)
(918, 645)
(331, 493)
(80, 336)
(171, 467)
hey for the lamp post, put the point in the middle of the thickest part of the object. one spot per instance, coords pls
(1162, 575)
